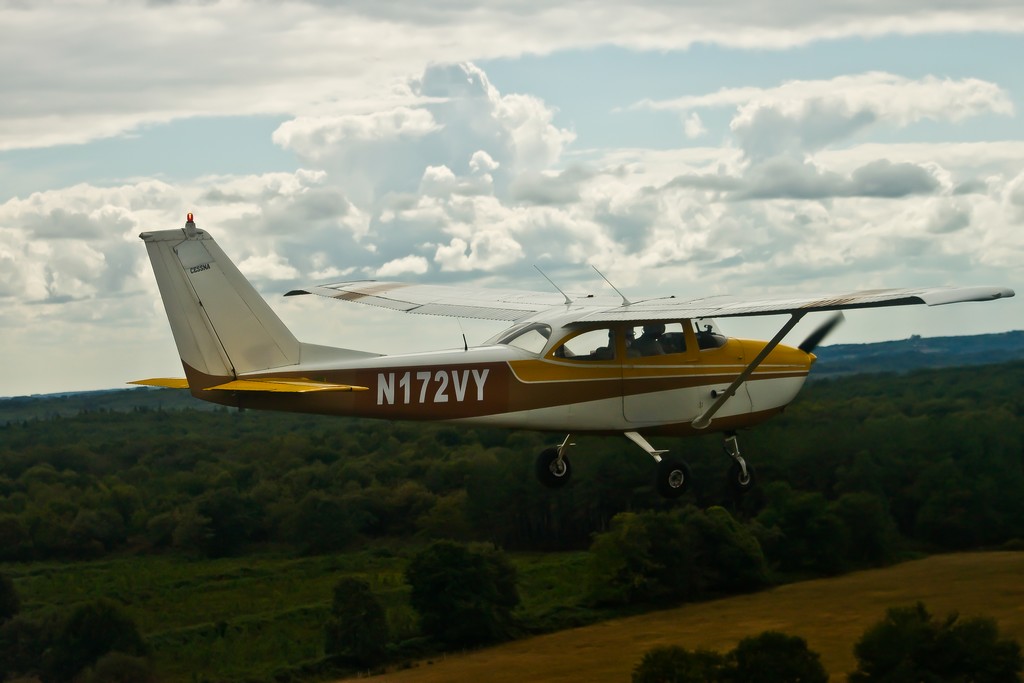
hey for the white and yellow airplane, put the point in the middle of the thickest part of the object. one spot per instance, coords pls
(570, 364)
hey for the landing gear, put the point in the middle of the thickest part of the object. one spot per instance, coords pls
(741, 475)
(673, 477)
(552, 467)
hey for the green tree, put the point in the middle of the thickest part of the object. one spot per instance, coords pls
(9, 602)
(24, 639)
(812, 538)
(774, 657)
(870, 529)
(674, 664)
(117, 667)
(319, 524)
(357, 626)
(92, 630)
(463, 596)
(910, 645)
(643, 557)
(728, 556)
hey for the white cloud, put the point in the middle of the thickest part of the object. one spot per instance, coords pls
(93, 69)
(693, 127)
(415, 265)
(805, 116)
(268, 266)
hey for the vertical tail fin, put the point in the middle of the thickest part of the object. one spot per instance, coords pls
(221, 325)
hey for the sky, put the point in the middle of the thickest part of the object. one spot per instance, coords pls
(686, 148)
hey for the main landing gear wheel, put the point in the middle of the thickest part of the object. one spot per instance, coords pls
(552, 471)
(740, 481)
(673, 477)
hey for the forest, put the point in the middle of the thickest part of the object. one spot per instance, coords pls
(860, 471)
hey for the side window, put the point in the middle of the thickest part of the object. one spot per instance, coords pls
(595, 345)
(655, 339)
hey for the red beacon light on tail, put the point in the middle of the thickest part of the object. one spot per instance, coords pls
(190, 226)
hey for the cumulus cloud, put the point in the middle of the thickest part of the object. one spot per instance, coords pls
(805, 116)
(173, 60)
(414, 265)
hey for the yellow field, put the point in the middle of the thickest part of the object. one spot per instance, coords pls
(831, 614)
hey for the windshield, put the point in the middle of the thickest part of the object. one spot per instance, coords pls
(708, 334)
(531, 338)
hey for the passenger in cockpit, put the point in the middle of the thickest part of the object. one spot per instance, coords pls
(648, 343)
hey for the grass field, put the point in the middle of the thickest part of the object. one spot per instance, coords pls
(241, 619)
(831, 614)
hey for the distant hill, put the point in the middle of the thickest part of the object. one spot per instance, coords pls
(918, 352)
(833, 361)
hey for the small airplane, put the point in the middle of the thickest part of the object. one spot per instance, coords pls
(583, 364)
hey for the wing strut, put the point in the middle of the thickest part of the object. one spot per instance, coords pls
(704, 419)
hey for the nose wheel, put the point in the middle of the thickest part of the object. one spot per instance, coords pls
(741, 475)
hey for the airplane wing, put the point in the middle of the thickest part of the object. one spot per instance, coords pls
(727, 306)
(461, 302)
(513, 304)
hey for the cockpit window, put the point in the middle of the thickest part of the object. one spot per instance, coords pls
(655, 339)
(594, 345)
(708, 335)
(531, 338)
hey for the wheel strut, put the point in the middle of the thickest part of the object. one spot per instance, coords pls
(741, 475)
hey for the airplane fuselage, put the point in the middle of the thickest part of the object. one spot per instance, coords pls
(503, 386)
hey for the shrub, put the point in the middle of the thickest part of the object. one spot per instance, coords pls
(92, 630)
(357, 626)
(674, 664)
(909, 644)
(463, 596)
(9, 602)
(774, 657)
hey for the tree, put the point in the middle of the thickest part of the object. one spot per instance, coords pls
(320, 524)
(774, 657)
(871, 531)
(117, 667)
(812, 537)
(463, 596)
(674, 664)
(24, 639)
(9, 602)
(357, 626)
(910, 645)
(644, 557)
(729, 557)
(92, 630)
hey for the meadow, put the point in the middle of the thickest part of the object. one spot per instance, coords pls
(237, 619)
(831, 614)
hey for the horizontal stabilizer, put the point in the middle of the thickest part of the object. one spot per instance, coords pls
(283, 385)
(166, 382)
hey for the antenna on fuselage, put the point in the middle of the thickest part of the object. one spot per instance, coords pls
(568, 301)
(625, 301)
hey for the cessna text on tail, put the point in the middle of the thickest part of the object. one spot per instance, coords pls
(593, 364)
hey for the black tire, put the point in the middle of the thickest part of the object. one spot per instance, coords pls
(673, 477)
(737, 481)
(548, 471)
